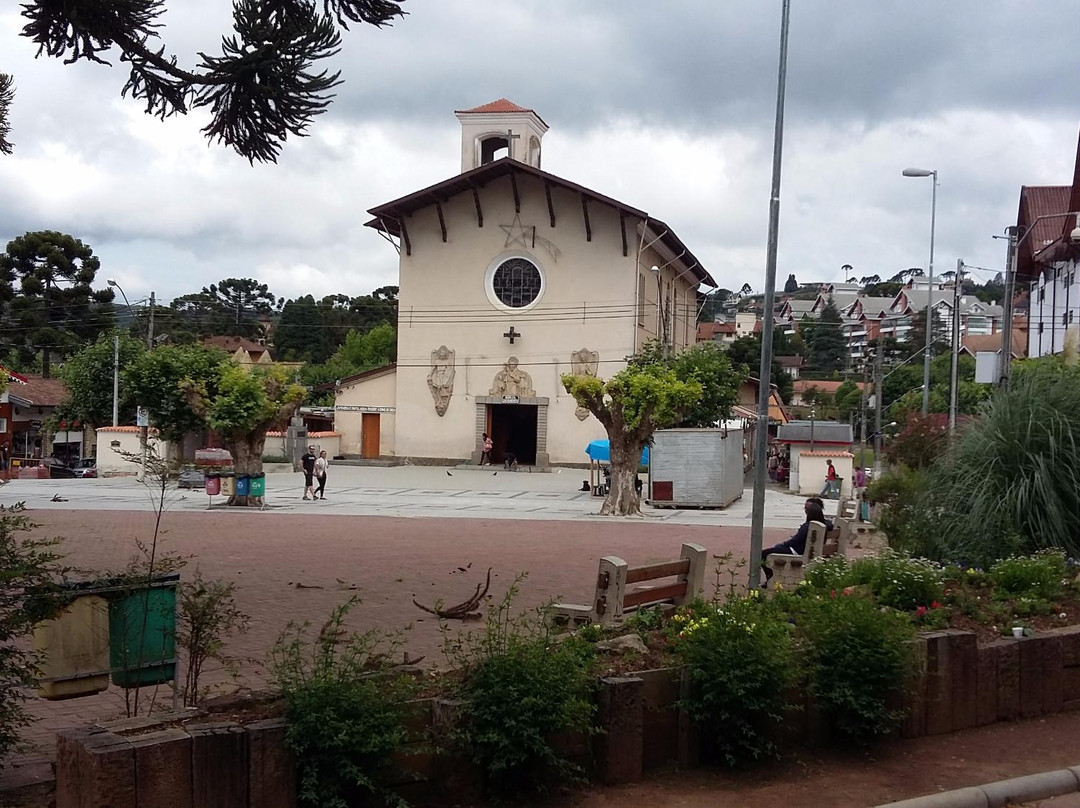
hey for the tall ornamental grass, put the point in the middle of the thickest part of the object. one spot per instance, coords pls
(1011, 485)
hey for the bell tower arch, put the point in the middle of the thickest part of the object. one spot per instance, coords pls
(497, 130)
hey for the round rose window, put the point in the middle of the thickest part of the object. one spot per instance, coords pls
(516, 282)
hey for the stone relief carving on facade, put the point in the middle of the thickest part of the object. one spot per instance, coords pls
(441, 378)
(584, 363)
(512, 381)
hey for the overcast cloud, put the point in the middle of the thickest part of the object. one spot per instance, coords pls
(672, 114)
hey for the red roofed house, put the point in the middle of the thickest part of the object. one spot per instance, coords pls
(24, 406)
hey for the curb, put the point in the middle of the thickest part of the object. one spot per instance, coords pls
(1002, 793)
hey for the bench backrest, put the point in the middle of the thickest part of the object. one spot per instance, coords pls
(613, 598)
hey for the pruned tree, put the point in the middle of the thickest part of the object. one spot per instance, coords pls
(155, 380)
(46, 281)
(263, 87)
(242, 406)
(632, 405)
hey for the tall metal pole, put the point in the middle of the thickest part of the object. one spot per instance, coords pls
(958, 281)
(757, 517)
(144, 430)
(1006, 335)
(879, 402)
(929, 301)
(116, 380)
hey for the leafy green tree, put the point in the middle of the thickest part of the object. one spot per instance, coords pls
(156, 381)
(827, 343)
(713, 305)
(745, 352)
(632, 405)
(242, 406)
(373, 349)
(46, 280)
(299, 334)
(88, 376)
(847, 399)
(263, 87)
(707, 364)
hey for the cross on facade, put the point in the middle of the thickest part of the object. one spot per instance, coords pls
(511, 335)
(510, 138)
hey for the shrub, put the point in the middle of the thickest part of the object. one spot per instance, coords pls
(207, 615)
(28, 568)
(1039, 576)
(346, 711)
(739, 660)
(521, 686)
(857, 662)
(901, 511)
(895, 579)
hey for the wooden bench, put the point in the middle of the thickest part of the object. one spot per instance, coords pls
(613, 600)
(788, 569)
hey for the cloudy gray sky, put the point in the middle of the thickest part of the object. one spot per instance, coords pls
(671, 113)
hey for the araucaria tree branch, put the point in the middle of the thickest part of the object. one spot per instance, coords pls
(260, 90)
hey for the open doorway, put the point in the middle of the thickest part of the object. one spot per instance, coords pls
(513, 430)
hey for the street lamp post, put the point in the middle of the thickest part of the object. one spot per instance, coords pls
(757, 515)
(116, 363)
(923, 172)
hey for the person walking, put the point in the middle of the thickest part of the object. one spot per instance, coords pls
(485, 455)
(307, 461)
(321, 465)
(774, 464)
(830, 480)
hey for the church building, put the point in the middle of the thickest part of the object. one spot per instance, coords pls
(510, 277)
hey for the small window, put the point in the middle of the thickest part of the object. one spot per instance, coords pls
(3, 425)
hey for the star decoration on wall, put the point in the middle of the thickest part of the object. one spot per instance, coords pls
(519, 234)
(516, 233)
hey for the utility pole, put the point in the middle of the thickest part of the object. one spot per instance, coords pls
(957, 283)
(144, 427)
(1007, 326)
(879, 401)
(757, 514)
(862, 415)
(116, 380)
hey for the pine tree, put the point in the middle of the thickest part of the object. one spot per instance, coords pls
(826, 343)
(792, 285)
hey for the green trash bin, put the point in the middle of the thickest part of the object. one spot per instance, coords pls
(142, 632)
(258, 485)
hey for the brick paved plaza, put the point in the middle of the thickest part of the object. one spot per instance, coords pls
(297, 560)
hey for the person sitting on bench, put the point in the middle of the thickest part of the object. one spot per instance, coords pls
(814, 509)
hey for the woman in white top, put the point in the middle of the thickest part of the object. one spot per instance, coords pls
(321, 465)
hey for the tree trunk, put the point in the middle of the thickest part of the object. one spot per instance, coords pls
(247, 451)
(622, 498)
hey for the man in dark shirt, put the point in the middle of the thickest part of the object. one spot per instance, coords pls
(307, 460)
(796, 545)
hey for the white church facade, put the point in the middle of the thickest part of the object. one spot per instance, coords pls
(510, 277)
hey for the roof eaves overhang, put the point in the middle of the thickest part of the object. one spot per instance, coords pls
(389, 216)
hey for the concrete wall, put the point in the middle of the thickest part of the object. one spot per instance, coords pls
(112, 439)
(371, 394)
(328, 441)
(811, 474)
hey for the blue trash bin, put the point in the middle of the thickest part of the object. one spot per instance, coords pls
(243, 485)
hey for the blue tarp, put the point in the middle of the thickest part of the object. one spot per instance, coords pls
(600, 450)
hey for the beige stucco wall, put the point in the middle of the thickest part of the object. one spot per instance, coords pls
(377, 391)
(810, 475)
(589, 301)
(111, 440)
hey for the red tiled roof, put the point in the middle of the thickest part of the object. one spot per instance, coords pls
(500, 105)
(825, 454)
(822, 385)
(795, 361)
(231, 344)
(136, 429)
(707, 331)
(39, 391)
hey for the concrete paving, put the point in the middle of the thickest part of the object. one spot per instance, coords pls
(405, 491)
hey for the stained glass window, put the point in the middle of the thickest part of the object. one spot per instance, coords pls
(516, 283)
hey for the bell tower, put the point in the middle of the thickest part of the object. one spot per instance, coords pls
(500, 129)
